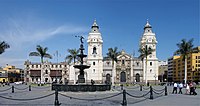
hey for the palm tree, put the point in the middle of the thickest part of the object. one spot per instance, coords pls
(112, 54)
(144, 52)
(3, 46)
(41, 52)
(72, 55)
(184, 48)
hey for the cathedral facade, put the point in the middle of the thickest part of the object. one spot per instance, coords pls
(128, 69)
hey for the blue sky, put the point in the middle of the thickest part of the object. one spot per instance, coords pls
(52, 23)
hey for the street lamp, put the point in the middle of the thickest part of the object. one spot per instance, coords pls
(155, 78)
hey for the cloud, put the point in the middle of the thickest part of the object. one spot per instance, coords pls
(23, 33)
(19, 33)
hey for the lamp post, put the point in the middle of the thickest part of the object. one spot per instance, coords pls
(155, 78)
(57, 54)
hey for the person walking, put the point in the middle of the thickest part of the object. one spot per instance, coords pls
(194, 88)
(187, 89)
(180, 86)
(191, 88)
(175, 88)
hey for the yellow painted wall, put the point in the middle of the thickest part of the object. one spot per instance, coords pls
(193, 67)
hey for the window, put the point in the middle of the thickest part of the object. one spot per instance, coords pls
(108, 63)
(93, 70)
(150, 63)
(65, 72)
(46, 71)
(150, 70)
(123, 62)
(94, 63)
(137, 63)
(94, 50)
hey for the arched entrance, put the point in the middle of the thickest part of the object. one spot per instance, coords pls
(123, 77)
(137, 77)
(107, 79)
(46, 79)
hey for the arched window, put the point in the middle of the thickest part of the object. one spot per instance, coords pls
(150, 63)
(94, 50)
(94, 63)
(46, 71)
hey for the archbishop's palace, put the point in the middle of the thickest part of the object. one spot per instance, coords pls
(128, 69)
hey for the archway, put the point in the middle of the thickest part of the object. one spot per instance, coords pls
(46, 79)
(108, 77)
(137, 78)
(123, 77)
(94, 50)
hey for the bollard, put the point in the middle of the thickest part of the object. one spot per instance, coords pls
(29, 87)
(151, 93)
(165, 90)
(140, 87)
(124, 102)
(56, 103)
(13, 89)
(121, 86)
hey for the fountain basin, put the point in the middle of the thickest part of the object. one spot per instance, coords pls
(81, 67)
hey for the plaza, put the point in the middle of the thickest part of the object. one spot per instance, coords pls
(88, 98)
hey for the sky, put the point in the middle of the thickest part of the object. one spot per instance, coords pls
(54, 23)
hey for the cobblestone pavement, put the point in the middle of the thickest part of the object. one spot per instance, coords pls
(71, 98)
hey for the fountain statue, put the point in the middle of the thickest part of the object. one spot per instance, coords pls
(81, 67)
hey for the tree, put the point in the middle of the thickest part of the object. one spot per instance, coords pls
(112, 54)
(72, 55)
(3, 46)
(144, 52)
(184, 48)
(41, 52)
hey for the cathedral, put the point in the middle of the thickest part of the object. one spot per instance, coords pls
(127, 69)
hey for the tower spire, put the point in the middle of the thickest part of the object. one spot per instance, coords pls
(147, 27)
(95, 27)
(95, 24)
(147, 24)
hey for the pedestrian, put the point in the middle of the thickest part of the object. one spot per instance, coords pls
(175, 88)
(194, 86)
(191, 88)
(187, 88)
(180, 86)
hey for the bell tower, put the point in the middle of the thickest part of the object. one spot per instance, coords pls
(95, 56)
(149, 39)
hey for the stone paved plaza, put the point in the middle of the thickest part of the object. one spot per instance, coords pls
(159, 99)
